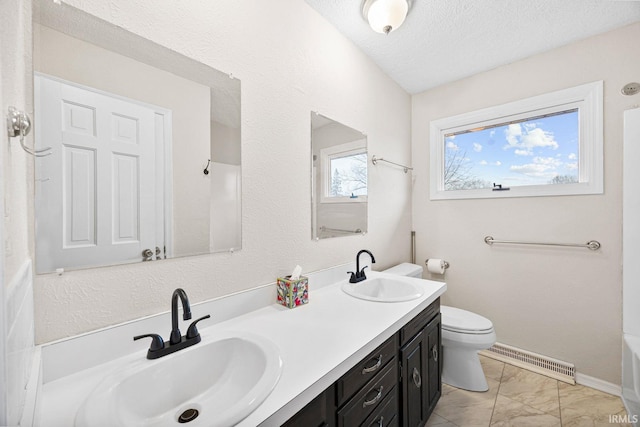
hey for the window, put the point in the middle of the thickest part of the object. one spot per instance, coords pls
(542, 146)
(344, 173)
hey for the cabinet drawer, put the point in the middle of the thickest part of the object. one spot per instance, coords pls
(385, 412)
(419, 322)
(358, 376)
(369, 397)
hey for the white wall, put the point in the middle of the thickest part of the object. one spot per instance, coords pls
(16, 300)
(564, 303)
(290, 62)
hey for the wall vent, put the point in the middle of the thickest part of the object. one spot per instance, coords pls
(537, 363)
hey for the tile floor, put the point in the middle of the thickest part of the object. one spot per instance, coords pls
(522, 398)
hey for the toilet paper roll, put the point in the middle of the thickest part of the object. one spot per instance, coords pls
(435, 265)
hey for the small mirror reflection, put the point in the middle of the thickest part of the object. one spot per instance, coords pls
(338, 179)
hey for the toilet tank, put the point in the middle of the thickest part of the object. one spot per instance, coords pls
(405, 269)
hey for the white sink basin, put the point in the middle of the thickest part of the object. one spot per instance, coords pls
(224, 378)
(383, 289)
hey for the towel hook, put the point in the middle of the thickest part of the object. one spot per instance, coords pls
(19, 124)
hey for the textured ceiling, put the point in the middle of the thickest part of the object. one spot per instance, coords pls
(445, 40)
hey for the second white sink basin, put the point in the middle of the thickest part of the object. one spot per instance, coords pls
(216, 383)
(383, 289)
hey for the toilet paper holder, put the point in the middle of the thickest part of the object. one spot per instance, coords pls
(446, 263)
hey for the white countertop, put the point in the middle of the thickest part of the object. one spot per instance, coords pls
(318, 343)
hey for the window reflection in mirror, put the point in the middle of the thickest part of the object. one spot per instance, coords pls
(338, 179)
(132, 126)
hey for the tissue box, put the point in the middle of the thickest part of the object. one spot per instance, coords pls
(292, 293)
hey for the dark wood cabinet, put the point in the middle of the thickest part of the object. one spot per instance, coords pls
(421, 384)
(397, 384)
(386, 414)
(364, 371)
(320, 412)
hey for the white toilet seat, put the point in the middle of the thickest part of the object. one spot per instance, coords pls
(470, 341)
(464, 322)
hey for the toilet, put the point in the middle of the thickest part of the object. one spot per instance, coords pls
(463, 334)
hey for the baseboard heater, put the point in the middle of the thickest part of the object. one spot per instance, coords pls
(557, 369)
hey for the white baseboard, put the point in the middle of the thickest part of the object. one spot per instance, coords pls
(598, 384)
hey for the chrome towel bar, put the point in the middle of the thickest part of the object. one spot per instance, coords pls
(340, 230)
(375, 161)
(591, 244)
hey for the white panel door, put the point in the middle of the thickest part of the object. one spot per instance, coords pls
(95, 194)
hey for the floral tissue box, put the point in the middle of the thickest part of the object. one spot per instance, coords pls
(292, 293)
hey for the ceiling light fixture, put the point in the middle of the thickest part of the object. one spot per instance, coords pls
(384, 16)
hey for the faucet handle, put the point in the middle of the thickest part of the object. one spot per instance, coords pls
(192, 332)
(157, 343)
(353, 278)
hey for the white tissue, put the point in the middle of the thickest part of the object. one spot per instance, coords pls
(435, 265)
(296, 273)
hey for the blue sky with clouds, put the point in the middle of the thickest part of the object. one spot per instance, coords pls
(527, 153)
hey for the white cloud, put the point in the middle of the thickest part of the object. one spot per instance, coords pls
(541, 167)
(477, 147)
(573, 156)
(452, 146)
(518, 152)
(572, 166)
(492, 133)
(525, 140)
(513, 132)
(485, 163)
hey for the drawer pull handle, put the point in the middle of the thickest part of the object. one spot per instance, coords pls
(381, 422)
(374, 400)
(374, 367)
(434, 352)
(417, 380)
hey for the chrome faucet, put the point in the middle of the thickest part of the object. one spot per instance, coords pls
(359, 275)
(159, 347)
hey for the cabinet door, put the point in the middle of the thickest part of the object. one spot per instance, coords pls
(320, 412)
(414, 382)
(434, 362)
(421, 374)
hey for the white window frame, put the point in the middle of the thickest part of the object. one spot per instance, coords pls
(342, 150)
(586, 98)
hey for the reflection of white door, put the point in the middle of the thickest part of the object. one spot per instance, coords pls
(95, 193)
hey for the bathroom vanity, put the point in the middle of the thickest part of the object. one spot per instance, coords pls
(397, 384)
(344, 361)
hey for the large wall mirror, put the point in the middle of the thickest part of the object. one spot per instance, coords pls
(338, 179)
(142, 147)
